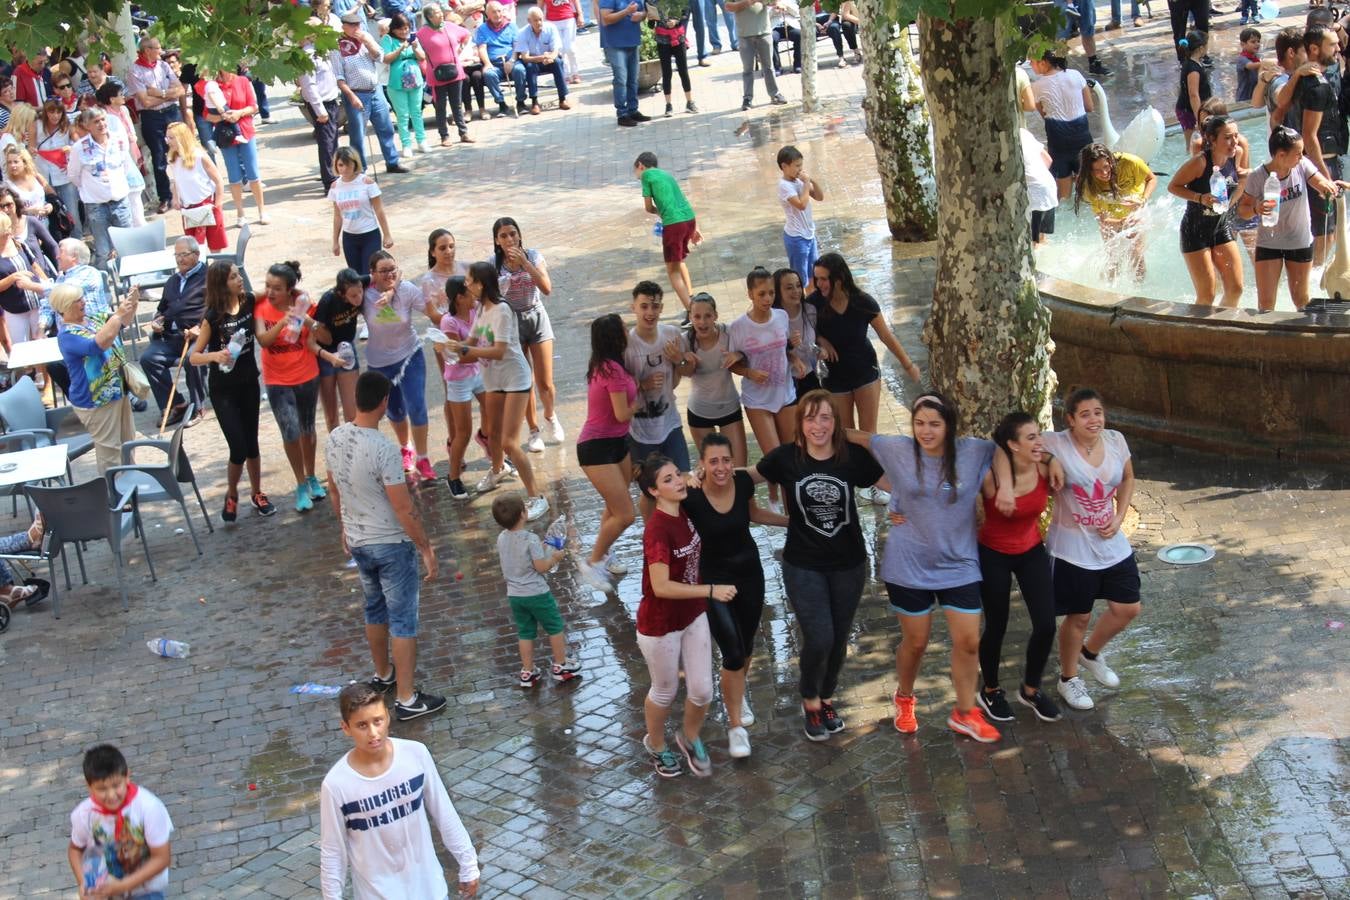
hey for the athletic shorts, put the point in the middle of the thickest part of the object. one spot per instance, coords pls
(697, 421)
(535, 327)
(533, 613)
(1042, 223)
(1301, 255)
(610, 451)
(1076, 588)
(906, 601)
(675, 240)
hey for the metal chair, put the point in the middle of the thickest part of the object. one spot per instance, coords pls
(237, 257)
(81, 513)
(162, 481)
(22, 410)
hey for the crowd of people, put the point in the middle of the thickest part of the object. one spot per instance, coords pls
(1282, 210)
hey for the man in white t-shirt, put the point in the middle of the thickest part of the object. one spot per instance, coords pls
(376, 807)
(119, 834)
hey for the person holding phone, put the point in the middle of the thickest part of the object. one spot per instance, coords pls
(405, 56)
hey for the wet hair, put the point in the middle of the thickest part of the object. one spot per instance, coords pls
(841, 275)
(947, 410)
(788, 155)
(455, 286)
(755, 276)
(646, 159)
(1083, 181)
(288, 272)
(507, 509)
(1282, 138)
(218, 286)
(703, 297)
(485, 273)
(357, 695)
(1007, 429)
(1056, 58)
(1313, 36)
(808, 404)
(646, 478)
(650, 288)
(349, 156)
(1078, 397)
(499, 256)
(1213, 125)
(347, 278)
(778, 276)
(371, 390)
(432, 238)
(713, 439)
(1288, 39)
(1247, 34)
(103, 761)
(1193, 41)
(1214, 106)
(608, 341)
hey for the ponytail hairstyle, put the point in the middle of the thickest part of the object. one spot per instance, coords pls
(1084, 394)
(454, 289)
(1282, 138)
(944, 408)
(432, 238)
(288, 272)
(713, 439)
(485, 273)
(647, 473)
(1192, 42)
(1210, 130)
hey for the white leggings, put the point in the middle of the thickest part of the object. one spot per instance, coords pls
(663, 655)
(567, 38)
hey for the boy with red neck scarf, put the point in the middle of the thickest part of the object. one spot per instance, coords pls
(119, 834)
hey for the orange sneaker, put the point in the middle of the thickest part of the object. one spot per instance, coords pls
(905, 723)
(972, 724)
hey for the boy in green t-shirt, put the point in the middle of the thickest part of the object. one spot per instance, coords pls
(663, 197)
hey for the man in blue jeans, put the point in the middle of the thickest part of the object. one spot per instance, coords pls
(354, 64)
(381, 530)
(496, 40)
(620, 33)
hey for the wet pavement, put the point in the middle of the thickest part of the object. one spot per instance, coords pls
(1217, 769)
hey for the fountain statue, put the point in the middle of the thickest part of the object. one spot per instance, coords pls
(1143, 137)
(1336, 278)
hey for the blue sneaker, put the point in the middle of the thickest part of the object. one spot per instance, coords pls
(695, 754)
(303, 502)
(316, 489)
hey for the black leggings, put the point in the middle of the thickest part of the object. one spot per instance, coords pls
(1033, 578)
(473, 87)
(236, 404)
(451, 93)
(733, 625)
(666, 54)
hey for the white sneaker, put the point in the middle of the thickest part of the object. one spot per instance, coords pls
(535, 507)
(614, 567)
(738, 743)
(555, 430)
(1075, 693)
(423, 149)
(489, 482)
(747, 714)
(1100, 670)
(593, 577)
(536, 442)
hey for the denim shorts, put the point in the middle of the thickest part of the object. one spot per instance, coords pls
(327, 369)
(408, 395)
(907, 601)
(390, 578)
(463, 390)
(673, 448)
(293, 407)
(241, 162)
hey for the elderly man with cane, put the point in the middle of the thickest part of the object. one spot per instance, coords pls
(172, 331)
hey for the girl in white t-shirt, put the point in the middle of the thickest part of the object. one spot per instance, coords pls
(1092, 559)
(359, 227)
(1062, 97)
(714, 405)
(761, 336)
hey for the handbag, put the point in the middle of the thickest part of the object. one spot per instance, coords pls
(446, 72)
(199, 216)
(225, 133)
(134, 377)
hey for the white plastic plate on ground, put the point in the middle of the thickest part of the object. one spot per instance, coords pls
(1186, 554)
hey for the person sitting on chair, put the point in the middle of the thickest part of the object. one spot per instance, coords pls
(180, 311)
(12, 594)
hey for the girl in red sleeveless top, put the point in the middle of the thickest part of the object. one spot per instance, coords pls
(1010, 544)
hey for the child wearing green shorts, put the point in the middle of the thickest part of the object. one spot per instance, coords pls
(524, 562)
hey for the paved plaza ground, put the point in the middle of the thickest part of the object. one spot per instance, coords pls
(1217, 769)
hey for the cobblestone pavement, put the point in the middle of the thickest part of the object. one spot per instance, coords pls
(1218, 769)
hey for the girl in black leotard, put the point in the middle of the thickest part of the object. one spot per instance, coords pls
(1207, 243)
(721, 511)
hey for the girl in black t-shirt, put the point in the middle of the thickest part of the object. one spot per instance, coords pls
(721, 511)
(234, 391)
(335, 320)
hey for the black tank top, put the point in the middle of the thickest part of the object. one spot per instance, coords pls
(1201, 184)
(729, 549)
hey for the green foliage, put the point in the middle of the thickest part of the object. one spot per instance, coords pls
(266, 36)
(1031, 29)
(647, 46)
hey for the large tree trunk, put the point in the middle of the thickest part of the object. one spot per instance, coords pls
(897, 121)
(810, 100)
(988, 335)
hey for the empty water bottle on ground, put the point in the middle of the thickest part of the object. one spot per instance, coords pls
(323, 690)
(167, 648)
(1218, 189)
(1270, 195)
(235, 348)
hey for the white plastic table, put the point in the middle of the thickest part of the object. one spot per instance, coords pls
(27, 354)
(40, 464)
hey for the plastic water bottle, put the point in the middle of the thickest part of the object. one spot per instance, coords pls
(236, 348)
(347, 354)
(556, 536)
(658, 229)
(322, 690)
(1271, 192)
(1218, 189)
(167, 648)
(295, 319)
(93, 867)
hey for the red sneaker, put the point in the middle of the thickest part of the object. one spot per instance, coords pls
(905, 722)
(972, 724)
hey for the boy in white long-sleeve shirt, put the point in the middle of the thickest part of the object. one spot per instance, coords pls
(376, 808)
